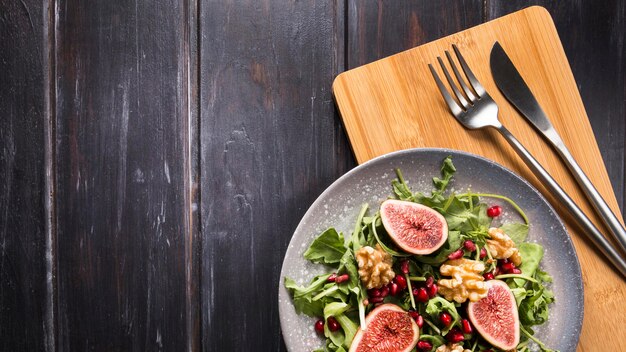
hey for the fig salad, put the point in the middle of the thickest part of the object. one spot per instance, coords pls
(435, 272)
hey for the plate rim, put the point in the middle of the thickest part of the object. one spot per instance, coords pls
(334, 184)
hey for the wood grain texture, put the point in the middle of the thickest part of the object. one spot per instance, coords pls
(23, 276)
(393, 104)
(123, 177)
(270, 144)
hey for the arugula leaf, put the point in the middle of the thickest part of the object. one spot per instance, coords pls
(534, 308)
(349, 328)
(435, 340)
(531, 254)
(327, 248)
(303, 296)
(447, 171)
(517, 231)
(437, 305)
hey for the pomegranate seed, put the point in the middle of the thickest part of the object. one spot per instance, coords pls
(332, 277)
(373, 292)
(384, 292)
(458, 254)
(424, 345)
(504, 261)
(455, 335)
(467, 327)
(342, 278)
(404, 266)
(508, 267)
(419, 321)
(469, 245)
(494, 211)
(393, 288)
(333, 324)
(319, 326)
(488, 276)
(432, 290)
(422, 295)
(376, 299)
(429, 281)
(483, 253)
(413, 314)
(516, 271)
(401, 281)
(445, 318)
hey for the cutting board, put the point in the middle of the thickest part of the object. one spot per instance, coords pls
(393, 104)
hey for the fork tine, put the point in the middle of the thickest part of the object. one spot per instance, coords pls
(471, 96)
(480, 90)
(452, 104)
(456, 90)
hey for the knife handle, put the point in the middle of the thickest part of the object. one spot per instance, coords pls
(583, 221)
(609, 218)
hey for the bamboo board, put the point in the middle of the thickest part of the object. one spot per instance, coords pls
(393, 104)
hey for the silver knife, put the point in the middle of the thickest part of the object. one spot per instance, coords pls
(516, 91)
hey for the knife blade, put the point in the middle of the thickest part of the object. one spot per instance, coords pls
(517, 92)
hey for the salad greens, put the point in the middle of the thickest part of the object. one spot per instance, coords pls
(346, 300)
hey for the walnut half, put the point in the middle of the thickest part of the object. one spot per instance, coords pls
(451, 348)
(501, 246)
(374, 267)
(467, 281)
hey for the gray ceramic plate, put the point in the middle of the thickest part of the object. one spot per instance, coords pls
(371, 183)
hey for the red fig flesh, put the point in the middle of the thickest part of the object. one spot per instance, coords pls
(388, 329)
(495, 317)
(415, 228)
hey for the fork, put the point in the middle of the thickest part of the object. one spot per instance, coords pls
(475, 109)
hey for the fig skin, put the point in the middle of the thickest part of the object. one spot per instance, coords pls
(371, 319)
(440, 232)
(482, 326)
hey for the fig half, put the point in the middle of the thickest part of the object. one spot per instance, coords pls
(415, 228)
(389, 328)
(495, 317)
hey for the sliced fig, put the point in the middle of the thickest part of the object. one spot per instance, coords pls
(495, 317)
(415, 228)
(389, 328)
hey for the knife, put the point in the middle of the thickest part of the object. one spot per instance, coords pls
(516, 91)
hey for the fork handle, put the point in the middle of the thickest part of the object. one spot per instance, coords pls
(583, 221)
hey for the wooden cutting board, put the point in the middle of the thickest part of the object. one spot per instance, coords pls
(393, 104)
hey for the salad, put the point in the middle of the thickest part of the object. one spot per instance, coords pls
(428, 272)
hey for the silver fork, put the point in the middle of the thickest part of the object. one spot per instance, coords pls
(476, 109)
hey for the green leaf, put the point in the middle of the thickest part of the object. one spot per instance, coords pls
(437, 305)
(531, 254)
(349, 328)
(401, 188)
(447, 171)
(327, 248)
(517, 231)
(303, 297)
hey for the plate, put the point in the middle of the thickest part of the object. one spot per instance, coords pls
(370, 183)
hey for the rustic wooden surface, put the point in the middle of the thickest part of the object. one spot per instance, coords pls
(155, 158)
(394, 104)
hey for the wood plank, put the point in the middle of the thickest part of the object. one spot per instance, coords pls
(377, 29)
(270, 144)
(23, 289)
(123, 198)
(593, 35)
(400, 107)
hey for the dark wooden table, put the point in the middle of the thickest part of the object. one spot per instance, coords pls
(156, 156)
